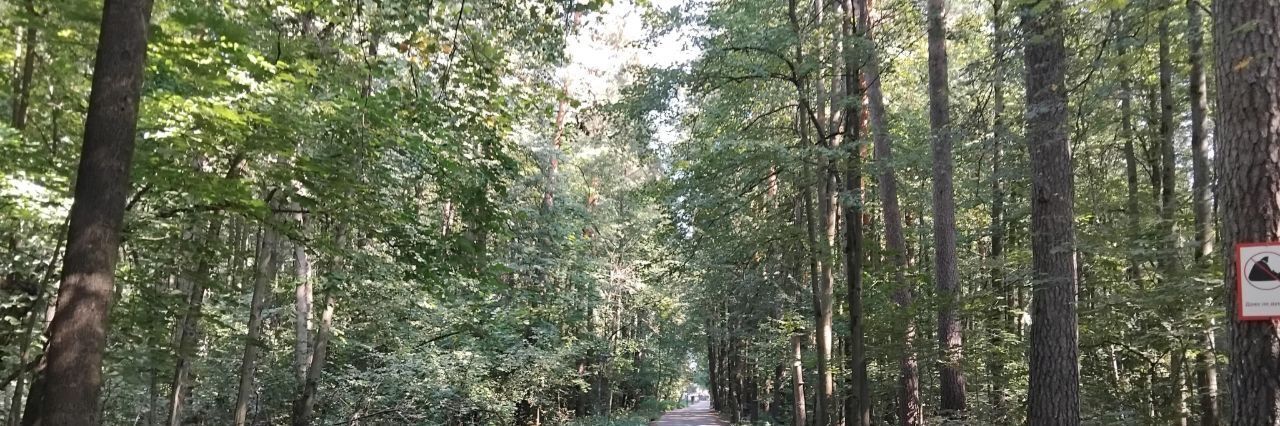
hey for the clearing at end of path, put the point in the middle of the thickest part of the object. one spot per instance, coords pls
(698, 414)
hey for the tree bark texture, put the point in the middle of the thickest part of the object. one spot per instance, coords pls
(1054, 392)
(858, 393)
(946, 276)
(78, 333)
(1246, 37)
(909, 409)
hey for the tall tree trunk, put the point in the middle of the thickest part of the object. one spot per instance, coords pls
(1153, 150)
(304, 406)
(999, 319)
(950, 329)
(1201, 193)
(22, 84)
(734, 382)
(822, 304)
(302, 298)
(1054, 393)
(1178, 382)
(310, 349)
(1170, 268)
(1207, 381)
(32, 410)
(1133, 209)
(797, 380)
(821, 246)
(1168, 189)
(858, 393)
(189, 331)
(908, 372)
(713, 364)
(78, 334)
(829, 211)
(1201, 199)
(266, 265)
(1248, 75)
(40, 309)
(1133, 212)
(775, 388)
(14, 417)
(188, 328)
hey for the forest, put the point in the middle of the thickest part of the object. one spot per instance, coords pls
(575, 212)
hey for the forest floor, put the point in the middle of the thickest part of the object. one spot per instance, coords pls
(698, 414)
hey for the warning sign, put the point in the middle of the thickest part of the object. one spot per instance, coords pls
(1258, 283)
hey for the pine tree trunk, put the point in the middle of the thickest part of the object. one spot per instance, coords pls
(999, 319)
(1207, 381)
(1133, 212)
(1168, 188)
(72, 382)
(1170, 268)
(266, 265)
(950, 329)
(1201, 199)
(908, 374)
(1152, 149)
(1054, 392)
(1178, 381)
(1248, 76)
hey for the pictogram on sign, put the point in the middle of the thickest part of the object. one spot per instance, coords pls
(1258, 282)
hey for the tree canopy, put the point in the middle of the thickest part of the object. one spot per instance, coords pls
(536, 212)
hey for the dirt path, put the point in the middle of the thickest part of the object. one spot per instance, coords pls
(698, 414)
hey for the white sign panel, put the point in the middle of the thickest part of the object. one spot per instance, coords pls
(1258, 280)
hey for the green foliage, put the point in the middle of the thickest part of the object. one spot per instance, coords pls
(492, 261)
(401, 146)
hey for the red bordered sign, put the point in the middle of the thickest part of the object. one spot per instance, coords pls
(1258, 280)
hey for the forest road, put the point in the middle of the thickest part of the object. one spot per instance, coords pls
(698, 414)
